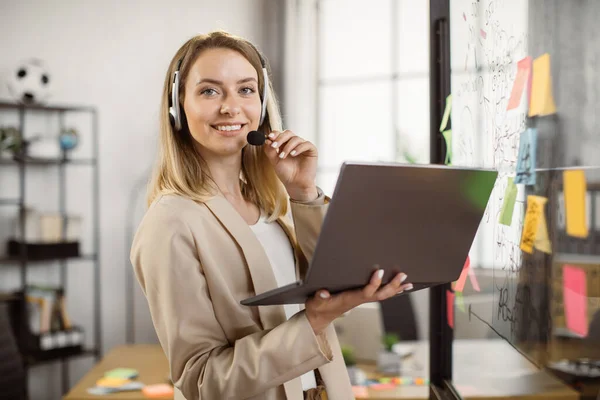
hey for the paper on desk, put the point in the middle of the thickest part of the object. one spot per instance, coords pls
(523, 77)
(575, 207)
(450, 308)
(460, 283)
(159, 390)
(126, 373)
(542, 101)
(447, 111)
(526, 158)
(508, 204)
(575, 299)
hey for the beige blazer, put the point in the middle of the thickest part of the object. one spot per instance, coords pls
(195, 263)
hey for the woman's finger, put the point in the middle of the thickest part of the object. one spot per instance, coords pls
(290, 146)
(369, 290)
(392, 288)
(304, 147)
(281, 138)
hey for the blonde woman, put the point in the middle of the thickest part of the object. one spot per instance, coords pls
(217, 231)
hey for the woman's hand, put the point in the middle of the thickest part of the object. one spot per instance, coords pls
(323, 308)
(295, 163)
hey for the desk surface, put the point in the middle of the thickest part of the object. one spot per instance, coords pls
(148, 359)
(483, 369)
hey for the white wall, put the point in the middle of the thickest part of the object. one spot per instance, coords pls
(112, 55)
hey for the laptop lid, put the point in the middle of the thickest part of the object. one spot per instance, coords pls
(419, 219)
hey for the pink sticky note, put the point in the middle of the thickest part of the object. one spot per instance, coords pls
(460, 283)
(450, 308)
(575, 299)
(360, 392)
(483, 33)
(464, 17)
(523, 77)
(473, 280)
(382, 386)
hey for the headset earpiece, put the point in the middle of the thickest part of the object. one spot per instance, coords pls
(174, 108)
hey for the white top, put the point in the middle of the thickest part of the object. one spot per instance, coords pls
(281, 256)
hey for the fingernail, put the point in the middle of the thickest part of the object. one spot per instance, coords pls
(271, 135)
(274, 144)
(293, 152)
(323, 295)
(380, 274)
(403, 278)
(408, 287)
(282, 154)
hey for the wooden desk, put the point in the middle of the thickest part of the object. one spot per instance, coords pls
(482, 370)
(148, 359)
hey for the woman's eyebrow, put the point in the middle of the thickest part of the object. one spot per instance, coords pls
(217, 82)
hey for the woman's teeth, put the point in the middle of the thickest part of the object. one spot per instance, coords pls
(229, 127)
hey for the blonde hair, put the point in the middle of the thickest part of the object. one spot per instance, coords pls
(181, 170)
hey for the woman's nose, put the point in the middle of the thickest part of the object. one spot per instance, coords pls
(231, 109)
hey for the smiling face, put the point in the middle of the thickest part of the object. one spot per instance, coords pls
(221, 102)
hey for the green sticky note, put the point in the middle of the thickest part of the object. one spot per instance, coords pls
(448, 138)
(508, 205)
(125, 373)
(446, 113)
(459, 301)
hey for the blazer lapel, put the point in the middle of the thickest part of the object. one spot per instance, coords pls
(257, 261)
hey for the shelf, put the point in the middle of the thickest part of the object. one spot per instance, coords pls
(32, 361)
(48, 161)
(16, 260)
(15, 106)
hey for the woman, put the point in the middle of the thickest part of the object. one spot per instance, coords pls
(216, 232)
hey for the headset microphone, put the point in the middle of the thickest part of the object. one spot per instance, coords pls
(256, 138)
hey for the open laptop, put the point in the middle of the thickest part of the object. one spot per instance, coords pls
(416, 219)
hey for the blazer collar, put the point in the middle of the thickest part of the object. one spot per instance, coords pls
(257, 260)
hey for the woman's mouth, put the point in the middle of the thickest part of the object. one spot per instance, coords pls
(229, 129)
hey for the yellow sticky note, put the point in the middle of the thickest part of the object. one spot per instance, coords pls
(541, 101)
(542, 241)
(448, 139)
(446, 113)
(532, 219)
(575, 191)
(110, 382)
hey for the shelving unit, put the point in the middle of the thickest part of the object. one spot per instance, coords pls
(22, 164)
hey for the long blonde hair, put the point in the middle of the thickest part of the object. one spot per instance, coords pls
(181, 170)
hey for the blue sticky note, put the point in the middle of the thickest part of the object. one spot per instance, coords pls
(526, 161)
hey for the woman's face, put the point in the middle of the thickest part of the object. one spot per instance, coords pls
(222, 102)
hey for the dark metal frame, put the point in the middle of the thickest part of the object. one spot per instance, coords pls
(61, 163)
(440, 334)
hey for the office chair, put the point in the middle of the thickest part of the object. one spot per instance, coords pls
(12, 372)
(398, 317)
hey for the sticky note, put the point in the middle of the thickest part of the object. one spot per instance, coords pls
(532, 220)
(483, 33)
(526, 158)
(575, 299)
(460, 283)
(446, 113)
(523, 77)
(448, 138)
(575, 189)
(109, 382)
(473, 280)
(542, 241)
(126, 373)
(508, 203)
(459, 301)
(383, 386)
(450, 308)
(159, 390)
(541, 102)
(360, 392)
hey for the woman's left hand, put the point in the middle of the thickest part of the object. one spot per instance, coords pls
(295, 163)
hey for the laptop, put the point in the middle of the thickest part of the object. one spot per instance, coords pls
(416, 219)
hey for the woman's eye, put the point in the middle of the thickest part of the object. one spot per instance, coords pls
(247, 90)
(209, 92)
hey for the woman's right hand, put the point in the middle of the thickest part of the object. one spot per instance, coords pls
(323, 308)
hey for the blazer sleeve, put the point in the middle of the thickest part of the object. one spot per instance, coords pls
(308, 218)
(204, 365)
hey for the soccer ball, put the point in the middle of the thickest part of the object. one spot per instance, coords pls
(29, 82)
